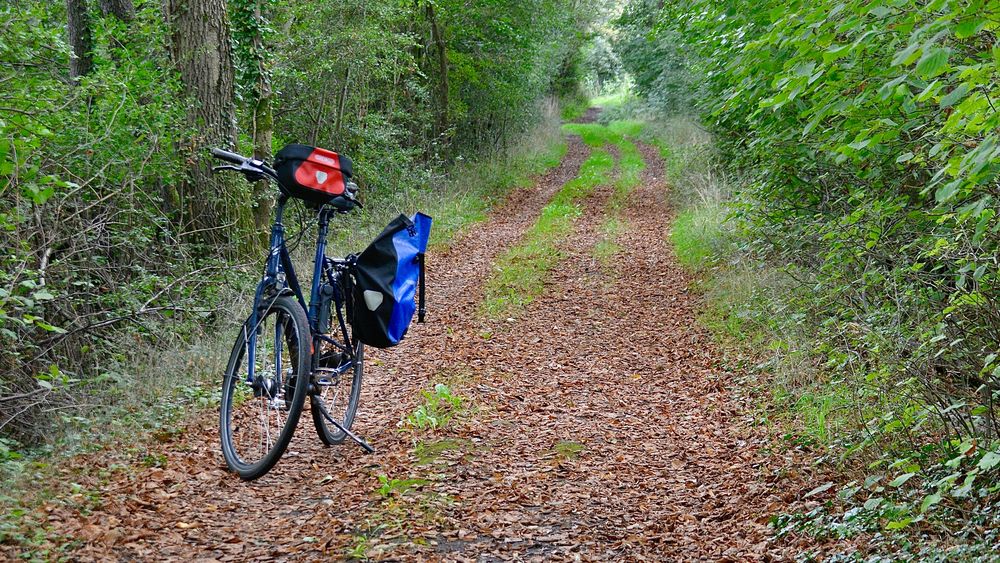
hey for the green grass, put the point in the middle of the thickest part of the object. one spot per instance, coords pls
(388, 487)
(696, 236)
(489, 183)
(607, 247)
(428, 452)
(630, 167)
(568, 450)
(440, 406)
(593, 134)
(818, 413)
(574, 108)
(627, 127)
(612, 100)
(520, 273)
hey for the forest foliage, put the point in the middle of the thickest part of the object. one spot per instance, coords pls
(118, 245)
(869, 137)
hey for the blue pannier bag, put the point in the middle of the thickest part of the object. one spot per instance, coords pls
(387, 277)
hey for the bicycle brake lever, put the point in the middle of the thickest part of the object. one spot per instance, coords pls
(225, 167)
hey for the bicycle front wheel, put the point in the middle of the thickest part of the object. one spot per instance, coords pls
(337, 395)
(261, 406)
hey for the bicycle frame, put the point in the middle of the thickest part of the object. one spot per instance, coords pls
(279, 277)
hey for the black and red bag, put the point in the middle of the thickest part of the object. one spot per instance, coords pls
(312, 174)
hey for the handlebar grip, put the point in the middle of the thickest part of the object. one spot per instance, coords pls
(228, 156)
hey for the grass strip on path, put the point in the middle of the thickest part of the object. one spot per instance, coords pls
(593, 134)
(630, 167)
(520, 272)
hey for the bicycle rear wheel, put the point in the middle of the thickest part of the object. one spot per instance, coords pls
(258, 417)
(337, 394)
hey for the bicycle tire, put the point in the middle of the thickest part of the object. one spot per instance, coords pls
(242, 402)
(321, 400)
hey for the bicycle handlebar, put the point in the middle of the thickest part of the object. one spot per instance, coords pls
(250, 167)
(228, 156)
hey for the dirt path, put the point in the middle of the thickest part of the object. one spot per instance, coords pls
(596, 426)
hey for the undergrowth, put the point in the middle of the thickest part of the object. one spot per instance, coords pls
(912, 492)
(574, 108)
(439, 407)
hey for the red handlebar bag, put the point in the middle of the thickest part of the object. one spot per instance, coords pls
(312, 174)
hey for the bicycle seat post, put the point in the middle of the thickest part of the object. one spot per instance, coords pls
(317, 280)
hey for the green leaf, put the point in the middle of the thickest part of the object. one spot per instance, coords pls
(901, 480)
(38, 194)
(50, 328)
(988, 461)
(954, 96)
(907, 55)
(898, 524)
(873, 503)
(947, 191)
(933, 63)
(929, 501)
(42, 295)
(905, 157)
(818, 490)
(969, 26)
(880, 11)
(835, 52)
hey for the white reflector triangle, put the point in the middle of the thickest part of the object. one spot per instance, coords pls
(373, 299)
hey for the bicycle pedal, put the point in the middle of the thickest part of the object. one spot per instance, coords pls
(325, 377)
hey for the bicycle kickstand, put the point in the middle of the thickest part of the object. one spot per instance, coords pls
(360, 441)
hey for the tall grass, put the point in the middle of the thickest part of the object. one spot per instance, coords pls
(748, 303)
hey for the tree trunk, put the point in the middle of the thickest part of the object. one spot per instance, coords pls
(263, 124)
(201, 50)
(121, 9)
(78, 28)
(342, 103)
(441, 97)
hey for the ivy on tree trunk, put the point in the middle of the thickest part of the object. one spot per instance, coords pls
(201, 50)
(78, 30)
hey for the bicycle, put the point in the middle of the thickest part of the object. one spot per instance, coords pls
(288, 349)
